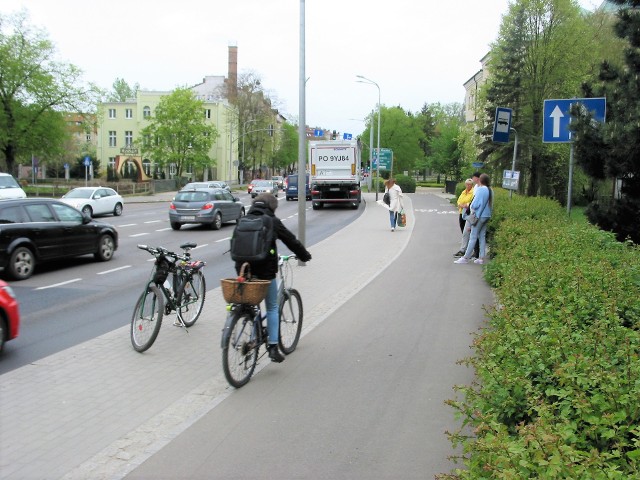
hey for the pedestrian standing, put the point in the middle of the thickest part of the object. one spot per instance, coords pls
(395, 194)
(464, 200)
(481, 206)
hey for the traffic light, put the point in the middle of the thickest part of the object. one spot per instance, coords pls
(333, 135)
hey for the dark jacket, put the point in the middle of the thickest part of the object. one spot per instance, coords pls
(268, 269)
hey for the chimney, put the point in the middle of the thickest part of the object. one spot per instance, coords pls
(232, 80)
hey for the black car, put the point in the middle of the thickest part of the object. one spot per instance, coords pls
(36, 230)
(211, 207)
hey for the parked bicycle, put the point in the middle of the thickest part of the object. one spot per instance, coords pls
(245, 330)
(183, 293)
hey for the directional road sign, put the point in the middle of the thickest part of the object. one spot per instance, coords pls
(502, 125)
(318, 133)
(386, 157)
(347, 136)
(557, 117)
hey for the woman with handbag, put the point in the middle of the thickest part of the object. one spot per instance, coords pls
(481, 209)
(395, 200)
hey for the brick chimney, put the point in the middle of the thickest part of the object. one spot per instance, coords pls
(232, 79)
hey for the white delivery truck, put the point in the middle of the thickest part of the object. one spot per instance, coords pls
(335, 173)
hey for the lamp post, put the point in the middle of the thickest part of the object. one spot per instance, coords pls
(371, 82)
(244, 127)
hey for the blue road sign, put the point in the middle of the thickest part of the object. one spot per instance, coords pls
(557, 117)
(318, 133)
(502, 125)
(87, 161)
(346, 136)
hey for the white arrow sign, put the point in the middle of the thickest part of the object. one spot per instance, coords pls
(556, 115)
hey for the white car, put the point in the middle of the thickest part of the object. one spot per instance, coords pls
(95, 200)
(263, 186)
(10, 188)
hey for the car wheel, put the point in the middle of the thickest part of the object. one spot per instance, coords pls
(87, 210)
(118, 210)
(22, 263)
(242, 214)
(175, 226)
(106, 247)
(217, 221)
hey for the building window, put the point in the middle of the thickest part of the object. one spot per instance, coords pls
(146, 112)
(146, 166)
(112, 113)
(88, 137)
(207, 113)
(128, 138)
(112, 138)
(128, 113)
(112, 162)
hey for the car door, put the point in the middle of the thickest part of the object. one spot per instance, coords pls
(223, 204)
(80, 238)
(44, 230)
(103, 201)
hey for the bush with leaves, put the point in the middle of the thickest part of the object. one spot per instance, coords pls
(558, 365)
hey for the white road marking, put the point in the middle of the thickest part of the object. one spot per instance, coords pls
(60, 284)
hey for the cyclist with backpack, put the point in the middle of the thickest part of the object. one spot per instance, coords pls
(254, 241)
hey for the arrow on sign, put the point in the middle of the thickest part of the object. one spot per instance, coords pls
(556, 115)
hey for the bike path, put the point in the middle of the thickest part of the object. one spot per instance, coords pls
(100, 409)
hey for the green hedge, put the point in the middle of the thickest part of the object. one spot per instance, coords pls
(558, 369)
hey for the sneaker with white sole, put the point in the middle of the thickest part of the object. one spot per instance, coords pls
(461, 260)
(479, 261)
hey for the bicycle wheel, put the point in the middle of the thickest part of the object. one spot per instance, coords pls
(190, 298)
(146, 319)
(240, 349)
(290, 320)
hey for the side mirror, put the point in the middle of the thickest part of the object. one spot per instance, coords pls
(236, 199)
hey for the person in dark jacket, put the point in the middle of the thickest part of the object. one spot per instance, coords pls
(266, 204)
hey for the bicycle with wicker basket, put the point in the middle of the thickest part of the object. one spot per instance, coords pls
(245, 330)
(184, 293)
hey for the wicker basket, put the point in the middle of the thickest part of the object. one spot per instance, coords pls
(250, 292)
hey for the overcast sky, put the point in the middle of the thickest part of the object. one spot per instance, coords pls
(417, 51)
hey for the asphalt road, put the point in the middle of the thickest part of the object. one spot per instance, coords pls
(75, 300)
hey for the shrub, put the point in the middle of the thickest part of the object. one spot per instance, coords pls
(558, 364)
(406, 183)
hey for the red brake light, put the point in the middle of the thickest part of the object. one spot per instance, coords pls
(172, 206)
(207, 206)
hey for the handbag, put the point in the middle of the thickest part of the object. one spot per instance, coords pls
(402, 218)
(472, 218)
(387, 198)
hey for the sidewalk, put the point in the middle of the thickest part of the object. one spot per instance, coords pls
(98, 410)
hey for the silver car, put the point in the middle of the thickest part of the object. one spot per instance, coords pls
(206, 206)
(264, 186)
(211, 184)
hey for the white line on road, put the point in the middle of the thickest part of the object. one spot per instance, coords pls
(60, 284)
(163, 229)
(223, 239)
(138, 235)
(113, 270)
(128, 225)
(154, 221)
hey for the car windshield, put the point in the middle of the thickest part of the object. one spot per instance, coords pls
(264, 183)
(79, 194)
(8, 182)
(192, 196)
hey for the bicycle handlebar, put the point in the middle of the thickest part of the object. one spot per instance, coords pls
(157, 251)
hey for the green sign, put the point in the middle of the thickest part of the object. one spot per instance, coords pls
(386, 158)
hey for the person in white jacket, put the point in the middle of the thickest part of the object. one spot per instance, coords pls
(395, 193)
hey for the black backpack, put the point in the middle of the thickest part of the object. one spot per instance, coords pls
(252, 239)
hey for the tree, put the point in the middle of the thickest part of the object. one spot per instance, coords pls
(122, 91)
(611, 150)
(545, 50)
(178, 133)
(34, 91)
(286, 157)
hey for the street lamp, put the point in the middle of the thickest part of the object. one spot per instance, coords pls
(244, 127)
(371, 82)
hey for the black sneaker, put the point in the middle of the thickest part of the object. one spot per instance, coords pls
(274, 354)
(459, 253)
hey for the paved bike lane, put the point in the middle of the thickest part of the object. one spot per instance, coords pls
(100, 409)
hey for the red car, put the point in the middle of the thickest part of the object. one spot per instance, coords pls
(9, 314)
